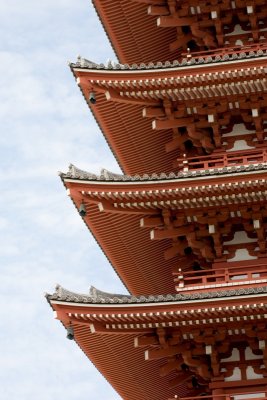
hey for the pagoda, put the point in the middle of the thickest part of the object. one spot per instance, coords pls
(184, 111)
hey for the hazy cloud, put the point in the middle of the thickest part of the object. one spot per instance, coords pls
(45, 126)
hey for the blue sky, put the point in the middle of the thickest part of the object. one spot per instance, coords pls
(45, 126)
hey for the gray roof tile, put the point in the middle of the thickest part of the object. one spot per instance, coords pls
(96, 296)
(209, 59)
(105, 175)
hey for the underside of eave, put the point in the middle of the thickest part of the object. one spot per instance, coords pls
(99, 244)
(137, 259)
(135, 146)
(139, 149)
(133, 33)
(124, 366)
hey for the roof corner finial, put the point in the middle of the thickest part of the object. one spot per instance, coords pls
(57, 287)
(71, 167)
(105, 173)
(93, 291)
(109, 64)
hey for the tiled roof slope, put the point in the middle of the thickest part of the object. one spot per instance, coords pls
(133, 33)
(190, 61)
(98, 297)
(106, 176)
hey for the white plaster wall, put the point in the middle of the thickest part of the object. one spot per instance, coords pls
(240, 145)
(233, 357)
(235, 377)
(238, 130)
(241, 237)
(242, 255)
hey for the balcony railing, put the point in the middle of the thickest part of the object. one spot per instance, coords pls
(243, 396)
(229, 51)
(218, 277)
(220, 160)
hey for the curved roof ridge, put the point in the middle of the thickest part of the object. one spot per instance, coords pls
(77, 173)
(190, 60)
(97, 297)
(96, 293)
(109, 174)
(105, 175)
(67, 295)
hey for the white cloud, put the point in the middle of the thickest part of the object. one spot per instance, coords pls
(45, 125)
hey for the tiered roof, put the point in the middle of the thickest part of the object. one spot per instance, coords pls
(119, 333)
(140, 109)
(154, 224)
(99, 297)
(131, 208)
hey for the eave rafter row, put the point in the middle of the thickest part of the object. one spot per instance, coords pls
(191, 341)
(157, 84)
(200, 108)
(206, 233)
(185, 317)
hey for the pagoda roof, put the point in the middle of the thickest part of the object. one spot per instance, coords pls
(217, 56)
(133, 34)
(96, 296)
(118, 204)
(75, 173)
(109, 329)
(116, 357)
(128, 98)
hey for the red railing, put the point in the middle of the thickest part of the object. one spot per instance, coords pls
(249, 395)
(225, 51)
(220, 160)
(253, 273)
